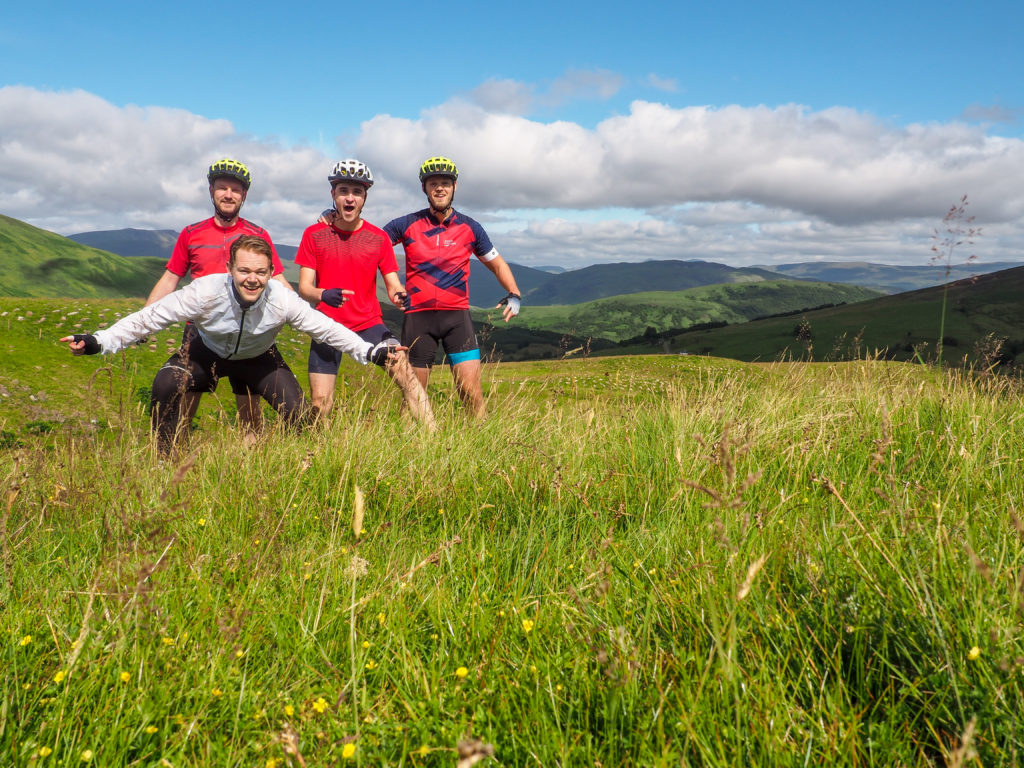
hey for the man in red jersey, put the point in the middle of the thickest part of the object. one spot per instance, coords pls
(338, 265)
(203, 249)
(439, 242)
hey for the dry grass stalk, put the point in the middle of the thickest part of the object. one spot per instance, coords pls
(752, 572)
(472, 751)
(965, 752)
(289, 740)
(357, 513)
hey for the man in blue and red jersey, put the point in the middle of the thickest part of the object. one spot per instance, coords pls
(203, 249)
(439, 242)
(338, 266)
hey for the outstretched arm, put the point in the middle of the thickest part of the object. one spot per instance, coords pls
(503, 272)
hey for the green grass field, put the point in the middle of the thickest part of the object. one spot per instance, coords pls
(632, 561)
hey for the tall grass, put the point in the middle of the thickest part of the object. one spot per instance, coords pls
(644, 561)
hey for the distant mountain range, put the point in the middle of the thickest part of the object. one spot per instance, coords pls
(553, 285)
(610, 307)
(887, 278)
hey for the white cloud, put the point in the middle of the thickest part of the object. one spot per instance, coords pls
(734, 184)
(667, 84)
(507, 96)
(991, 113)
(580, 84)
(517, 98)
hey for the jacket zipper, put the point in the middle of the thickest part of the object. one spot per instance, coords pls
(241, 327)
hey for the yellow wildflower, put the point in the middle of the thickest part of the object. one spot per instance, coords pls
(151, 729)
(974, 653)
(423, 751)
(289, 710)
(527, 625)
(167, 640)
(461, 672)
(202, 521)
(320, 705)
(371, 664)
(59, 677)
(366, 644)
(216, 692)
(86, 755)
(45, 751)
(25, 640)
(125, 677)
(381, 618)
(348, 751)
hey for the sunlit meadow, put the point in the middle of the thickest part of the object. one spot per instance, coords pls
(632, 561)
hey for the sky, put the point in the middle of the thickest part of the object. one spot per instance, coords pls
(741, 132)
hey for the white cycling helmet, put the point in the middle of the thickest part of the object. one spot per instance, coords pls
(351, 170)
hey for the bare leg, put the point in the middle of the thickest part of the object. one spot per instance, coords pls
(467, 382)
(250, 417)
(321, 391)
(422, 374)
(413, 387)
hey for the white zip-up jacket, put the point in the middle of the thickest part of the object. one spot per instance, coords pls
(226, 328)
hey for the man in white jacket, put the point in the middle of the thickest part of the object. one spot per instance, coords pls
(238, 317)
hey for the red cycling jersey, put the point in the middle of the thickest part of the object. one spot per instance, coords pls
(203, 248)
(437, 257)
(350, 261)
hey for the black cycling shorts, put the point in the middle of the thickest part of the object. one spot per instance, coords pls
(452, 328)
(239, 384)
(323, 358)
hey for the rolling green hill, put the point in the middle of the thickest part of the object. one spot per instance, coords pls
(603, 280)
(900, 327)
(623, 317)
(34, 262)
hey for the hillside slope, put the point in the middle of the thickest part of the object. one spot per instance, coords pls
(902, 326)
(34, 262)
(623, 317)
(603, 280)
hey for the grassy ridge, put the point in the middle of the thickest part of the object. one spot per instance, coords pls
(988, 304)
(34, 262)
(626, 316)
(632, 561)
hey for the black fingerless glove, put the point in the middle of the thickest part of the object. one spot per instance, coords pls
(332, 297)
(92, 347)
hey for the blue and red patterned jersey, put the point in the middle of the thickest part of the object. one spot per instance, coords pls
(437, 257)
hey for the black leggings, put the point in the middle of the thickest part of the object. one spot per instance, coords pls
(194, 368)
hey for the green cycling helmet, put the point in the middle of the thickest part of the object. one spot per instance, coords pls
(438, 166)
(230, 168)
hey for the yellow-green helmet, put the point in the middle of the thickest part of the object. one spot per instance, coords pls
(438, 166)
(230, 168)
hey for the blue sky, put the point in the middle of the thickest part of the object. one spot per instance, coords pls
(564, 119)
